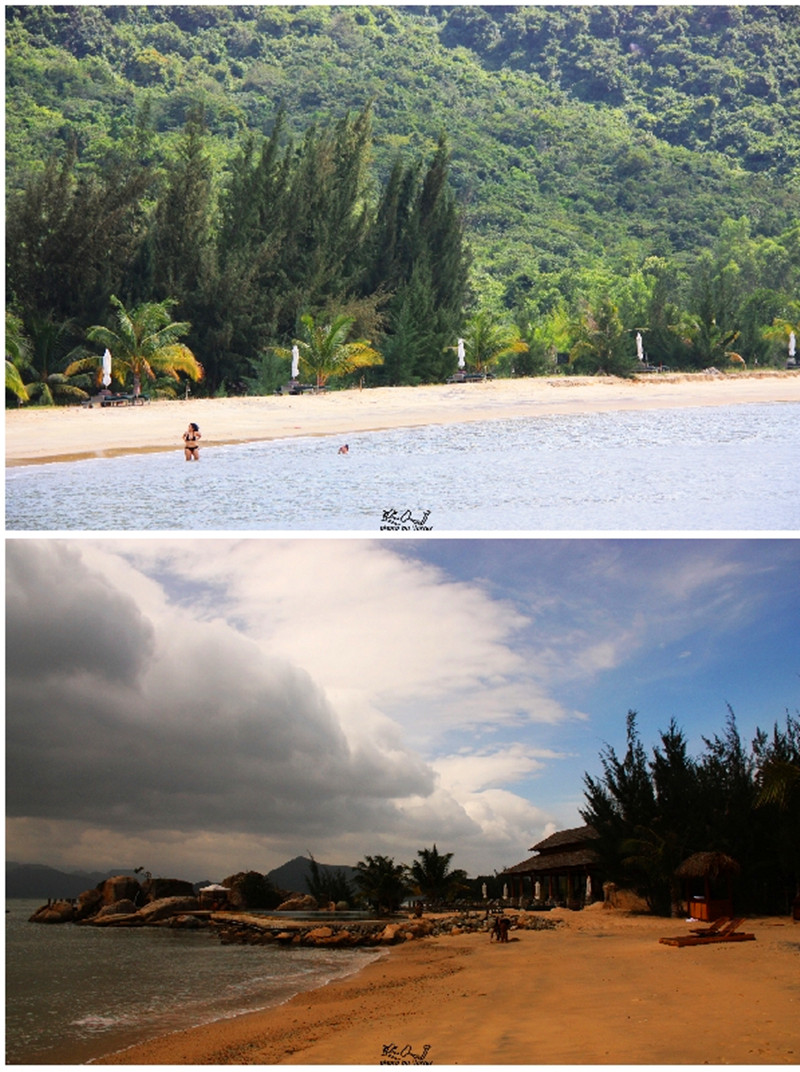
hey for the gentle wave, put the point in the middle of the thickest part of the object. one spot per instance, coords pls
(74, 994)
(717, 468)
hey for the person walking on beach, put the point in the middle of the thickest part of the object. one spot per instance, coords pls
(191, 445)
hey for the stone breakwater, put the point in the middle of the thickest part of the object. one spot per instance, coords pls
(257, 930)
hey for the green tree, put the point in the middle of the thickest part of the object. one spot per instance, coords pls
(382, 883)
(328, 884)
(487, 341)
(619, 804)
(777, 758)
(16, 356)
(433, 877)
(325, 352)
(145, 344)
(70, 237)
(48, 382)
(602, 343)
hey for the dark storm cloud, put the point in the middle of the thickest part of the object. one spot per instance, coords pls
(62, 618)
(137, 721)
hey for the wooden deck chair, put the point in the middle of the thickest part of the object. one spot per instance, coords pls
(713, 928)
(726, 933)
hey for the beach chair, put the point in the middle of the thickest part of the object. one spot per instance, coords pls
(713, 928)
(728, 932)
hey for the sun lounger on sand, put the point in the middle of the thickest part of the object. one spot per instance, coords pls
(713, 928)
(727, 932)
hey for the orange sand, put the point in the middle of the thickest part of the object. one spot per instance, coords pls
(38, 435)
(599, 990)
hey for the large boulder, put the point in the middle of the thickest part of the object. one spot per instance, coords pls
(120, 888)
(251, 890)
(54, 912)
(156, 889)
(166, 907)
(118, 908)
(300, 902)
(89, 902)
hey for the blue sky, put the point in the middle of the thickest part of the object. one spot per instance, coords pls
(202, 706)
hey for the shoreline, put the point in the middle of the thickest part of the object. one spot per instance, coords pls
(599, 989)
(37, 436)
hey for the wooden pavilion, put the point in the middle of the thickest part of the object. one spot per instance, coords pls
(565, 870)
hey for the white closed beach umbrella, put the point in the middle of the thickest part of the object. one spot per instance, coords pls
(295, 362)
(791, 344)
(462, 354)
(107, 368)
(639, 347)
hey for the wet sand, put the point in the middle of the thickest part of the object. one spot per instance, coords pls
(600, 989)
(35, 435)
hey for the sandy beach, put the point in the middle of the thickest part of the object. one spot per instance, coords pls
(600, 989)
(35, 435)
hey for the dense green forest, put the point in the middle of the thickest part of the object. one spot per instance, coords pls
(652, 812)
(544, 182)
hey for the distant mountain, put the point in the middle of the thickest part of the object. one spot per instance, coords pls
(41, 881)
(292, 875)
(38, 880)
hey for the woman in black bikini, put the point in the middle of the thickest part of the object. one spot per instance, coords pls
(191, 447)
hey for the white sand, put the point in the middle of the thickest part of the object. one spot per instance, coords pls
(65, 433)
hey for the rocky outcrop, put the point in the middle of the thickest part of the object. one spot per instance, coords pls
(119, 908)
(252, 930)
(54, 912)
(120, 888)
(156, 889)
(300, 902)
(165, 907)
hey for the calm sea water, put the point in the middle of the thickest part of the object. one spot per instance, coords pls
(706, 468)
(76, 993)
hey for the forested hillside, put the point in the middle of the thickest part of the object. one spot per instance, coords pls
(558, 177)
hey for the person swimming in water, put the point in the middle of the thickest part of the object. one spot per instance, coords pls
(344, 450)
(191, 446)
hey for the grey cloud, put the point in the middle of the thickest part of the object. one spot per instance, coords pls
(62, 618)
(218, 739)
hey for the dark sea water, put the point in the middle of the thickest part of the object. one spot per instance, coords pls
(704, 468)
(76, 993)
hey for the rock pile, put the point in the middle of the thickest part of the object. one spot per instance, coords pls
(254, 930)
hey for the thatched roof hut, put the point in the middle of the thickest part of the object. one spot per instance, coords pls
(710, 865)
(713, 872)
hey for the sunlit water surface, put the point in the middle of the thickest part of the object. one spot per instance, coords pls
(704, 468)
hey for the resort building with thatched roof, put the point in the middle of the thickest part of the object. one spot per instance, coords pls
(565, 870)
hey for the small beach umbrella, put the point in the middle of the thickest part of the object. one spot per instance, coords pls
(588, 887)
(791, 344)
(639, 347)
(538, 890)
(505, 891)
(295, 362)
(107, 368)
(462, 356)
(484, 891)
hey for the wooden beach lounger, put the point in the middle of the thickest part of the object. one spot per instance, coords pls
(725, 933)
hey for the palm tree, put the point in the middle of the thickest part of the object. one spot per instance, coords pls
(16, 356)
(602, 341)
(325, 351)
(48, 351)
(432, 875)
(382, 882)
(145, 344)
(487, 340)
